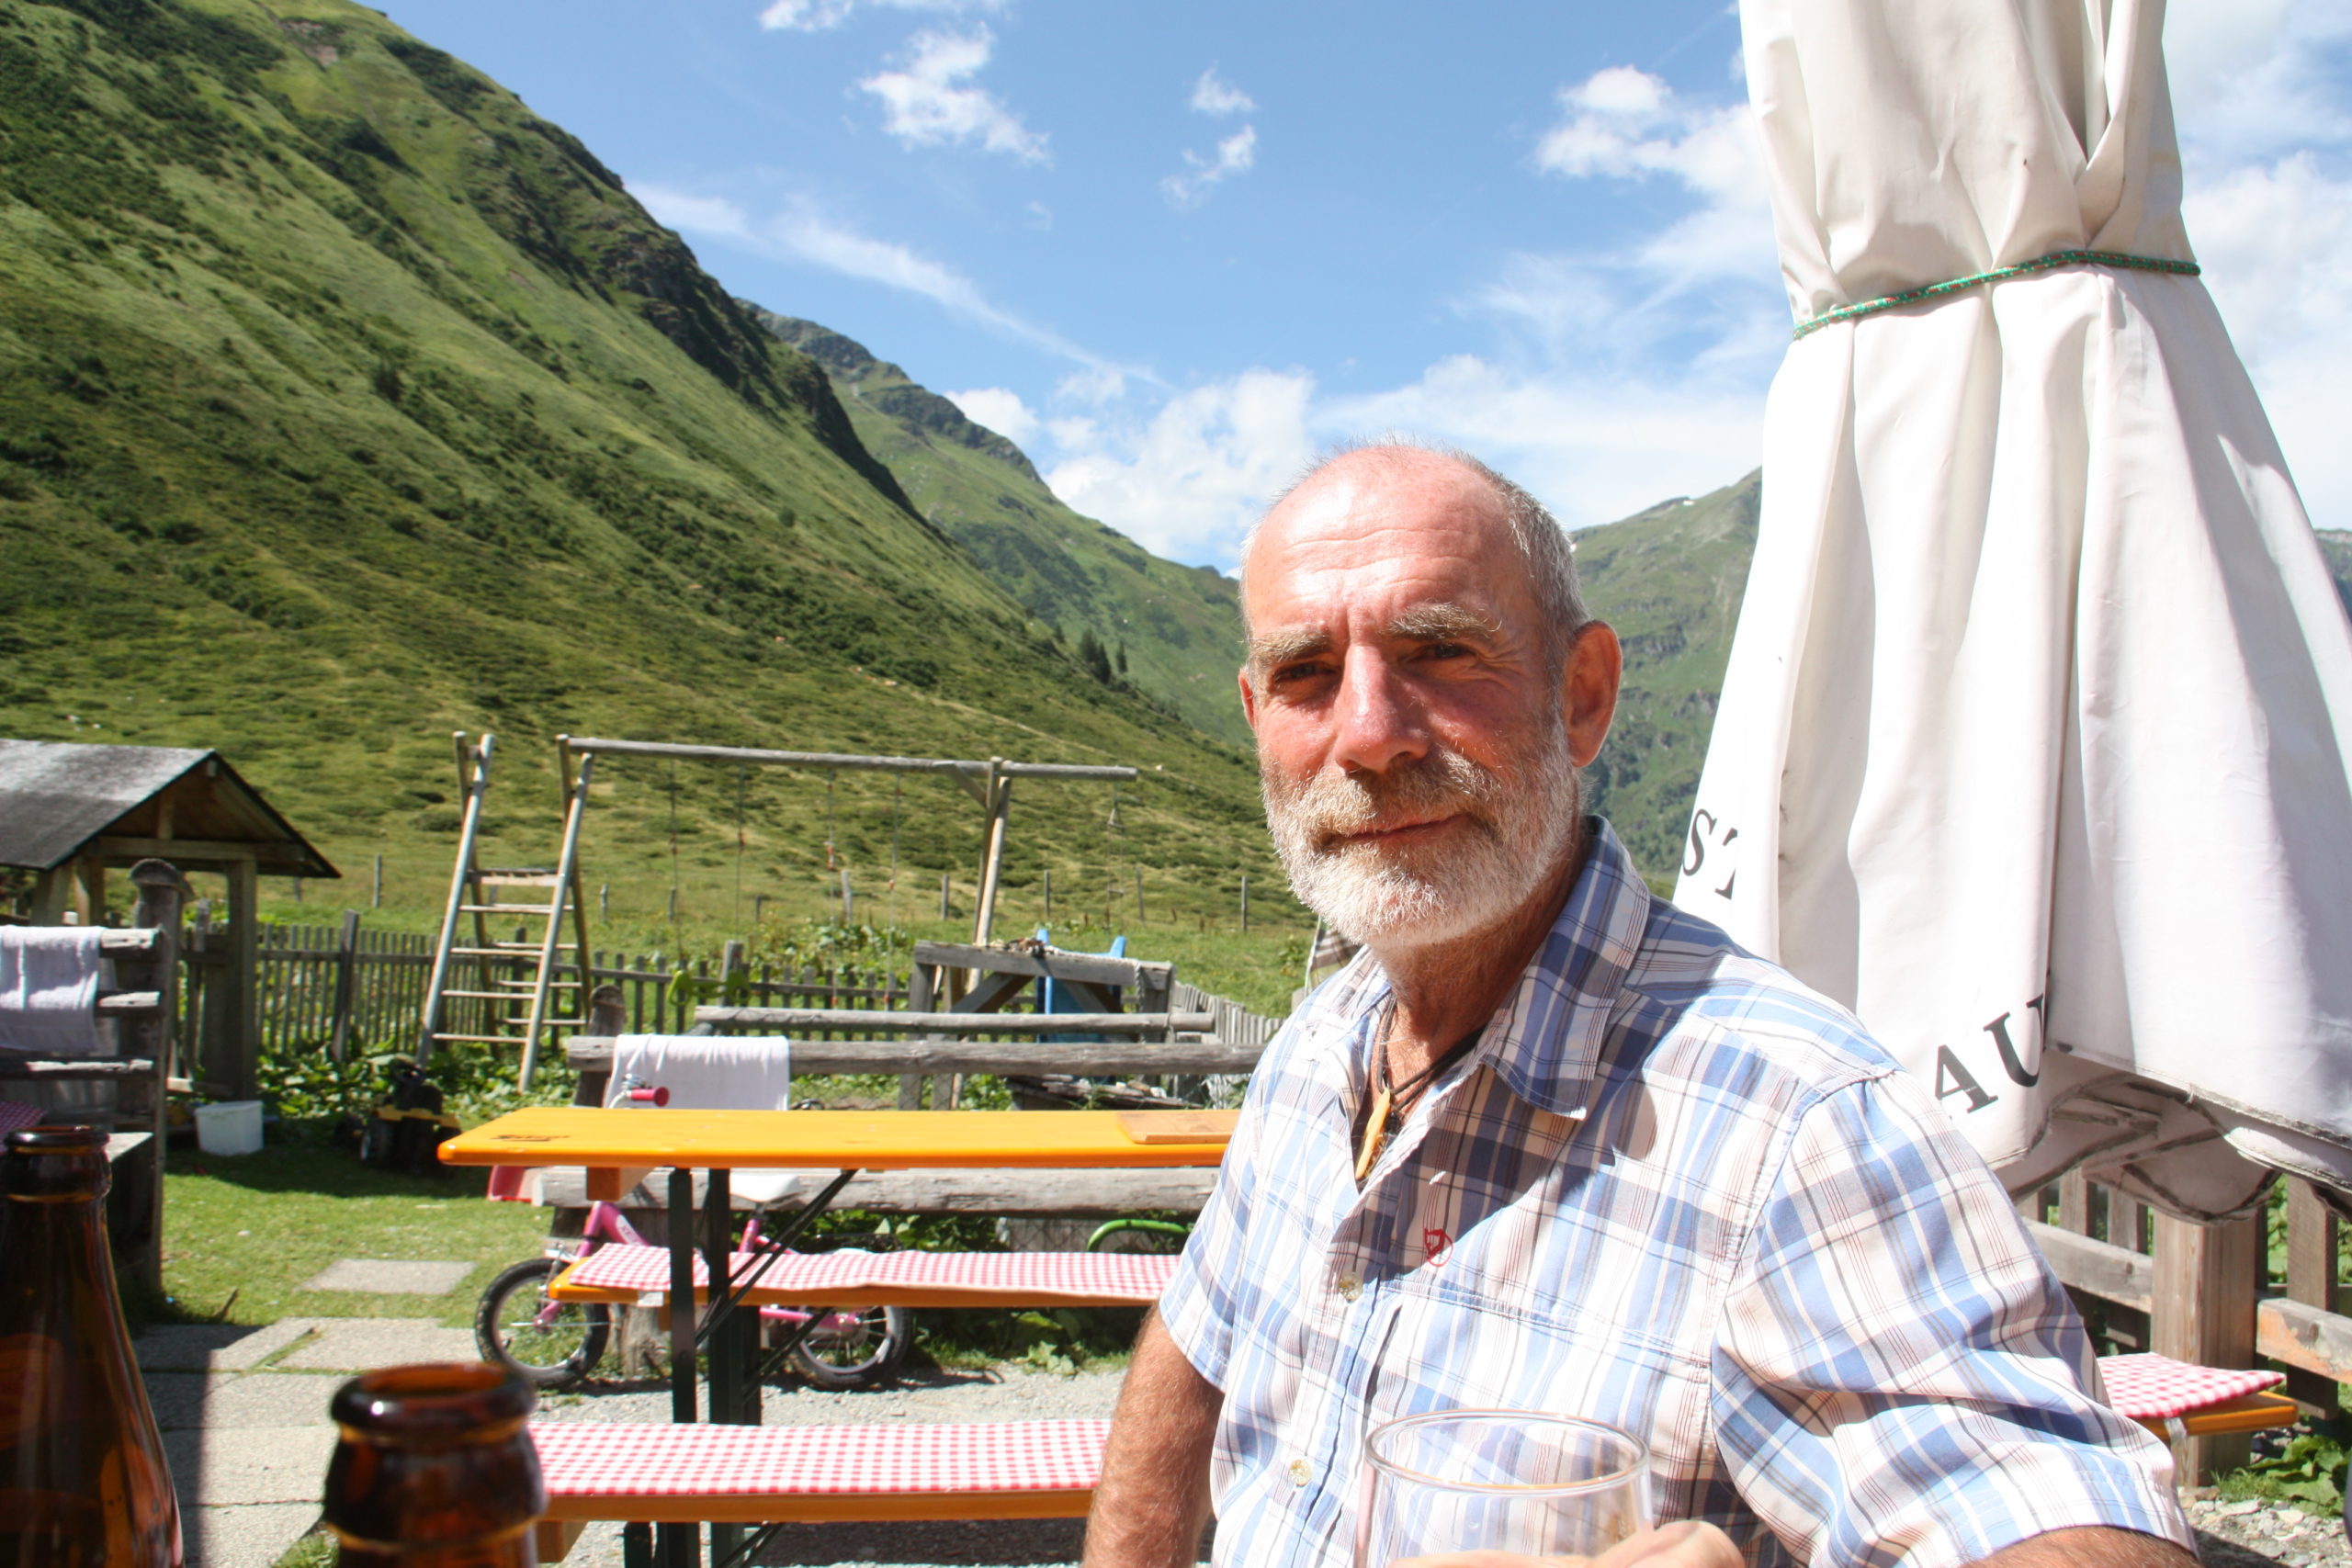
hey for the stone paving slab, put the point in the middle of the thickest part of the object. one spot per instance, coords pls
(178, 1398)
(243, 1538)
(363, 1344)
(381, 1276)
(253, 1464)
(260, 1399)
(213, 1347)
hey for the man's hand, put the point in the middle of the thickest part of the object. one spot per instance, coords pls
(1685, 1543)
(1153, 1500)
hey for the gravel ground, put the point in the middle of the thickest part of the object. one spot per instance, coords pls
(2249, 1534)
(994, 1393)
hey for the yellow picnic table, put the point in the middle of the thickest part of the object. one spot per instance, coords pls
(617, 1146)
(844, 1140)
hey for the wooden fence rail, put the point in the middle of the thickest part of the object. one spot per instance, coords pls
(2204, 1293)
(346, 989)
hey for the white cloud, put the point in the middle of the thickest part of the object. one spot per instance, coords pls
(801, 233)
(1215, 97)
(2272, 238)
(1000, 410)
(813, 16)
(1189, 481)
(928, 104)
(1620, 123)
(1234, 155)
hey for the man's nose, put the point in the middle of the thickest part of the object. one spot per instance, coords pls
(1380, 725)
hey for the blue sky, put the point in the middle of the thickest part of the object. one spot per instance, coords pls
(1173, 249)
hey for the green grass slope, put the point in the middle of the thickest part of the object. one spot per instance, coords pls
(344, 402)
(1176, 627)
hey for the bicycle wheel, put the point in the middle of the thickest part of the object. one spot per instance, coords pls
(855, 1346)
(552, 1344)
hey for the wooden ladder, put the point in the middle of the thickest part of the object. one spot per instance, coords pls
(518, 975)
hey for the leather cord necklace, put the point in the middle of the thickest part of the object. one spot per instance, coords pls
(1392, 1102)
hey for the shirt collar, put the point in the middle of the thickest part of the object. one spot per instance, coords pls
(1546, 1041)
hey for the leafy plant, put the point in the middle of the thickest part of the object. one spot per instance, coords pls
(2309, 1469)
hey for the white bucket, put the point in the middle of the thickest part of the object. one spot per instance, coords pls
(232, 1127)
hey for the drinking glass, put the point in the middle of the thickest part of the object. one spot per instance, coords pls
(1513, 1481)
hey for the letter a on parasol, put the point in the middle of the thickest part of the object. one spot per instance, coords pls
(2036, 744)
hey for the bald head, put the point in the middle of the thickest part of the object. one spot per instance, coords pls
(1414, 485)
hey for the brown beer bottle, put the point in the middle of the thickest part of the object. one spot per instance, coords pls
(435, 1469)
(82, 1474)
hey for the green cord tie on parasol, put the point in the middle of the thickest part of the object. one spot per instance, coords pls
(2055, 260)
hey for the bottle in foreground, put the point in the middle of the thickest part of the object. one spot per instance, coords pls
(434, 1467)
(82, 1474)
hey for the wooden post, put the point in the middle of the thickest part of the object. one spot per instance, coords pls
(943, 895)
(1050, 895)
(604, 900)
(376, 898)
(2075, 1204)
(921, 998)
(1139, 914)
(161, 890)
(1245, 902)
(758, 908)
(90, 890)
(673, 906)
(347, 982)
(1000, 798)
(849, 901)
(297, 889)
(2311, 1279)
(2205, 1302)
(241, 1029)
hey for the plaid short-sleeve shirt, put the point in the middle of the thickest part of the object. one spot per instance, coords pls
(1672, 1189)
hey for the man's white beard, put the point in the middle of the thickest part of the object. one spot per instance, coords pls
(1517, 824)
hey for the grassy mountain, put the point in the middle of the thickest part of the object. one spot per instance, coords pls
(1175, 630)
(344, 402)
(1669, 581)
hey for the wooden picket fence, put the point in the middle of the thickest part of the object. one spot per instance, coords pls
(347, 987)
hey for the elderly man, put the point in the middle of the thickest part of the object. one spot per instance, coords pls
(1551, 1144)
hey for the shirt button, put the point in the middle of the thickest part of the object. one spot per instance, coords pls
(1350, 1286)
(1299, 1473)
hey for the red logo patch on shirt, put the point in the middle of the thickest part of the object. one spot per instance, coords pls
(1436, 1244)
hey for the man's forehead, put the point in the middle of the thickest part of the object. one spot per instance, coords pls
(1383, 536)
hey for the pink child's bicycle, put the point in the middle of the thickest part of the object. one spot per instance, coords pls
(556, 1344)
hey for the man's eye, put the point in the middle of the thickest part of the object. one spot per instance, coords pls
(1291, 674)
(1445, 650)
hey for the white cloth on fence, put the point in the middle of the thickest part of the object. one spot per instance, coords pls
(2036, 744)
(712, 1072)
(48, 990)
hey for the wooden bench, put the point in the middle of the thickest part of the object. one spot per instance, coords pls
(625, 1276)
(648, 1473)
(2176, 1399)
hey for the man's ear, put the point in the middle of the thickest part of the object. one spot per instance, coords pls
(1248, 696)
(1589, 678)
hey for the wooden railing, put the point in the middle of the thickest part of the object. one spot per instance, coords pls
(2204, 1293)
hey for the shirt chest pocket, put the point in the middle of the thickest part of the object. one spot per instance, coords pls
(1530, 1307)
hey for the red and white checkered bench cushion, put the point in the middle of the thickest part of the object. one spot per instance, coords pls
(633, 1459)
(2149, 1388)
(1136, 1277)
(15, 1115)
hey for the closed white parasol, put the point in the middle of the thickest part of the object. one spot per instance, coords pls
(2036, 747)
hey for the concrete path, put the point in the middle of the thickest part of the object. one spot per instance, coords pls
(244, 1413)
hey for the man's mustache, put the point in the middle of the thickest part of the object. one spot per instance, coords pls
(1336, 806)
